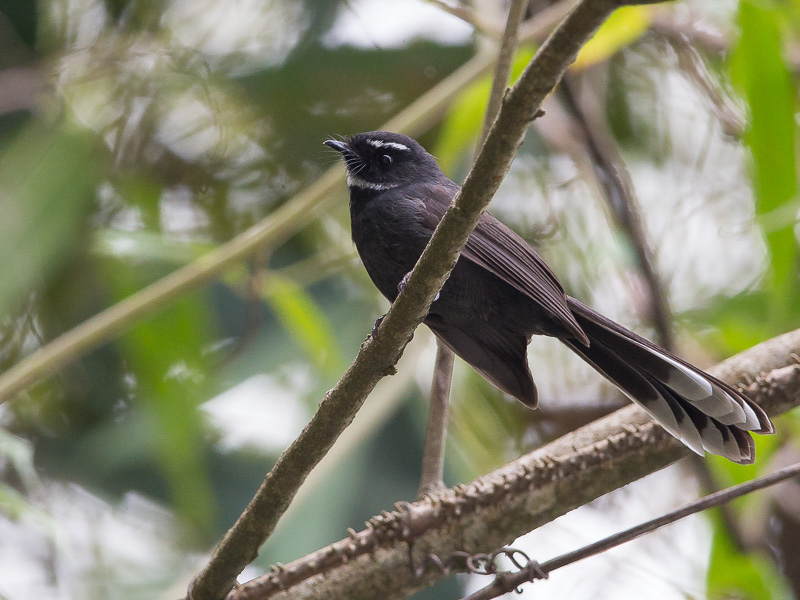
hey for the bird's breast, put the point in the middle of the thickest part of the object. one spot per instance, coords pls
(389, 236)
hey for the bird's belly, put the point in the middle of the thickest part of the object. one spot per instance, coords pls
(387, 259)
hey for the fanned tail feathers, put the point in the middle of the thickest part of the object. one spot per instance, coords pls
(703, 412)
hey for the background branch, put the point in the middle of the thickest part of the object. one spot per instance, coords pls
(502, 71)
(533, 490)
(617, 187)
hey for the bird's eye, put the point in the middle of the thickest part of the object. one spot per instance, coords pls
(385, 160)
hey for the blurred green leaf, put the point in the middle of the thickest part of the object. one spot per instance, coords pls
(305, 321)
(166, 358)
(623, 27)
(738, 321)
(47, 178)
(464, 120)
(759, 70)
(295, 308)
(733, 574)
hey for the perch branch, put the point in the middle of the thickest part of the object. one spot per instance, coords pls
(496, 508)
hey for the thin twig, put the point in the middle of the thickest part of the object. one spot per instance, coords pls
(468, 15)
(505, 58)
(507, 582)
(730, 117)
(436, 432)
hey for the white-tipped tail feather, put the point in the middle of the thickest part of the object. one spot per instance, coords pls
(703, 412)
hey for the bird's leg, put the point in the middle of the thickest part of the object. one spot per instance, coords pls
(433, 455)
(436, 432)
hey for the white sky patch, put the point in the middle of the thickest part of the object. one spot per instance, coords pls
(261, 31)
(261, 412)
(381, 24)
(76, 545)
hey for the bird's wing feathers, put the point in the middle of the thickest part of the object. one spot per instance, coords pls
(499, 250)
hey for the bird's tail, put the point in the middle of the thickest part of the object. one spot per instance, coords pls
(698, 409)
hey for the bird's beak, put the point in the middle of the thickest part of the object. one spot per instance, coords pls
(337, 145)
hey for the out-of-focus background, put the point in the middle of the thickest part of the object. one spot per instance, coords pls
(137, 136)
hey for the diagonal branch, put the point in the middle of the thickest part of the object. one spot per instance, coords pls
(380, 352)
(495, 509)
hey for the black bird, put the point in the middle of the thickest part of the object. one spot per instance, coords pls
(501, 293)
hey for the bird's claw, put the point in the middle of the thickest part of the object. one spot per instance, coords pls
(402, 285)
(377, 324)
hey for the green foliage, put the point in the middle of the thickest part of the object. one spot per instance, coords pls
(202, 145)
(734, 574)
(167, 358)
(731, 571)
(464, 120)
(759, 70)
(47, 178)
(624, 27)
(305, 321)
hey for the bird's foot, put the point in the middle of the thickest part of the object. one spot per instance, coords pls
(402, 285)
(377, 324)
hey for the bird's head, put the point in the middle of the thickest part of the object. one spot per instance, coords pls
(381, 160)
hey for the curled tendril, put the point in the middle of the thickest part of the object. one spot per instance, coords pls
(477, 564)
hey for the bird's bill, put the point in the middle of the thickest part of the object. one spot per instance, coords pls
(336, 145)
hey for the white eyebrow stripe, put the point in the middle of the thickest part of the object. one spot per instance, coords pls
(358, 182)
(395, 145)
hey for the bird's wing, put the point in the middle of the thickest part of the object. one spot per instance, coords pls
(499, 250)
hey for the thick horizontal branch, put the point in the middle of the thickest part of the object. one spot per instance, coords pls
(533, 490)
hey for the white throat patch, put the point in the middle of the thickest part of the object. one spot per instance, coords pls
(358, 182)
